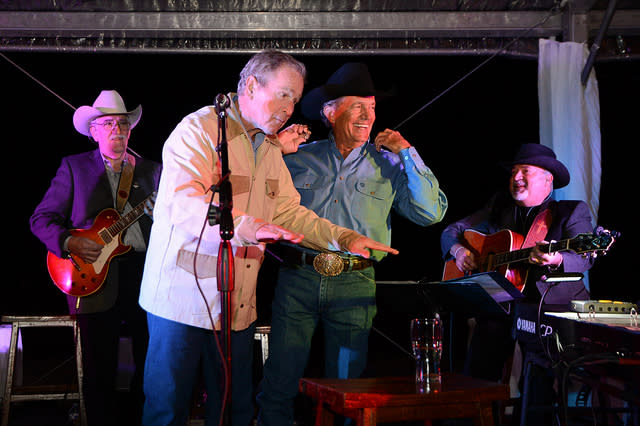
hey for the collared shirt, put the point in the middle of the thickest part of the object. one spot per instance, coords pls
(181, 262)
(133, 234)
(570, 218)
(255, 136)
(359, 191)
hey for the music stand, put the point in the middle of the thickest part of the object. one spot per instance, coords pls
(482, 293)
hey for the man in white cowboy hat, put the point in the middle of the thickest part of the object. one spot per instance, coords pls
(180, 286)
(525, 207)
(349, 180)
(84, 186)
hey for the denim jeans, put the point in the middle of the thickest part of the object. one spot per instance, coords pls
(345, 305)
(177, 353)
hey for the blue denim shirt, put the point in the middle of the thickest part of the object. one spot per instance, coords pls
(359, 191)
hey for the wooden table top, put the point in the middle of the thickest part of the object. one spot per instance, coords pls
(401, 391)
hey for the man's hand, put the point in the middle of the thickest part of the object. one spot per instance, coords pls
(391, 140)
(363, 244)
(86, 249)
(291, 137)
(540, 258)
(465, 259)
(150, 203)
(269, 233)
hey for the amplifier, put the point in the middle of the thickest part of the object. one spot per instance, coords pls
(603, 306)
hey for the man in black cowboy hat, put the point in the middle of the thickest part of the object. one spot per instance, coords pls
(535, 172)
(84, 186)
(355, 184)
(527, 209)
(180, 289)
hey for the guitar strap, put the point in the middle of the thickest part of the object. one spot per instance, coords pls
(124, 186)
(537, 232)
(539, 228)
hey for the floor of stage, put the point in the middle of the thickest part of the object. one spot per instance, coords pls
(48, 360)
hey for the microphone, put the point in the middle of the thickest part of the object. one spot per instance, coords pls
(221, 103)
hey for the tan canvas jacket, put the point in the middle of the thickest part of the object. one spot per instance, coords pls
(262, 192)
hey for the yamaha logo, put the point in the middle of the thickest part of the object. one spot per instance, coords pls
(526, 325)
(530, 327)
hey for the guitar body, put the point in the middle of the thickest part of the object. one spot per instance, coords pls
(74, 276)
(503, 252)
(485, 247)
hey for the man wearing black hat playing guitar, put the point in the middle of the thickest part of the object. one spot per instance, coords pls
(527, 213)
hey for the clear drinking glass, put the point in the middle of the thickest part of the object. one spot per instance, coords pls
(426, 342)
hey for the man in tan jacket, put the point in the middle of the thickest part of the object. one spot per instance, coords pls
(179, 287)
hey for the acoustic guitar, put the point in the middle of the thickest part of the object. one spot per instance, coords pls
(76, 277)
(501, 252)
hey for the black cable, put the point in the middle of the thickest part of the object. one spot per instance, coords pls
(204, 297)
(393, 342)
(555, 9)
(585, 360)
(54, 94)
(545, 348)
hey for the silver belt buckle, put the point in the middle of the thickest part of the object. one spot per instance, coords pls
(328, 264)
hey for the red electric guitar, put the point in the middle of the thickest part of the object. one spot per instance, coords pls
(77, 278)
(499, 252)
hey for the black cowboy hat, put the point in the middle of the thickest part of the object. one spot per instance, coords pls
(351, 79)
(542, 156)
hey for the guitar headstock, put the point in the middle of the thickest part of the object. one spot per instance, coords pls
(594, 244)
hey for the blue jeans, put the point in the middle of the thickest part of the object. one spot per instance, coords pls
(346, 306)
(177, 354)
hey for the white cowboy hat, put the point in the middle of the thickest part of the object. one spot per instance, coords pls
(109, 102)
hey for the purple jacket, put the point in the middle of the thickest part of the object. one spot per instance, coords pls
(569, 218)
(78, 193)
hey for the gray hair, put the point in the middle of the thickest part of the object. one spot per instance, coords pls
(333, 103)
(262, 64)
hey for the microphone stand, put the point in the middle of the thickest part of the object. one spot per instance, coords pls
(224, 218)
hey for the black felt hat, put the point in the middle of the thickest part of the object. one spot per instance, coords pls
(351, 79)
(542, 156)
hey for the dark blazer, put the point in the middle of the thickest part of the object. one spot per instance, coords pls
(79, 191)
(569, 218)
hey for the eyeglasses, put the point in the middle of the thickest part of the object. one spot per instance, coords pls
(110, 124)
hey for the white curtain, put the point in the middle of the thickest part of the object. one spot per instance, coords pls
(570, 119)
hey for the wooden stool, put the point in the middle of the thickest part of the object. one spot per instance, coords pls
(262, 334)
(387, 399)
(41, 393)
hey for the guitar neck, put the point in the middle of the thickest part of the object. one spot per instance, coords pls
(523, 254)
(127, 220)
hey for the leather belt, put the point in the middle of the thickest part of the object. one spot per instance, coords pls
(328, 264)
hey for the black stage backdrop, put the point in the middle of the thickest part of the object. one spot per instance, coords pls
(462, 136)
